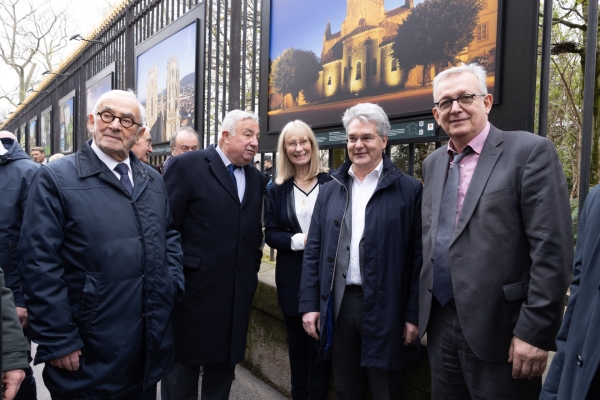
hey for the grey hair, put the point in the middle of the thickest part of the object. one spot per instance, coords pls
(235, 116)
(472, 68)
(368, 112)
(186, 129)
(126, 93)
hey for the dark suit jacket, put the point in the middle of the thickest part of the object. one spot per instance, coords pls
(512, 248)
(576, 362)
(220, 239)
(282, 224)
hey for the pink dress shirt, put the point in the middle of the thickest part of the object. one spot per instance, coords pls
(467, 165)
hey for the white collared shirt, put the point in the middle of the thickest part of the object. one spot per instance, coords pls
(304, 204)
(240, 176)
(361, 194)
(111, 163)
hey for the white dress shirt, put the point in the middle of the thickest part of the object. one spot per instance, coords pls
(304, 204)
(240, 176)
(361, 194)
(111, 163)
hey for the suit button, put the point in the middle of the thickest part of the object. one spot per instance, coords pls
(432, 260)
(323, 297)
(429, 289)
(336, 223)
(242, 210)
(344, 275)
(348, 248)
(241, 240)
(298, 294)
(579, 361)
(329, 259)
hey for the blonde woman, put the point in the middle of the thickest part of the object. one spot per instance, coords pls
(292, 199)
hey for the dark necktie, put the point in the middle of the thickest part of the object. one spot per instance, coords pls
(442, 278)
(123, 170)
(232, 168)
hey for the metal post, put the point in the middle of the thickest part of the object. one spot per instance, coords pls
(588, 102)
(411, 159)
(234, 55)
(129, 49)
(545, 69)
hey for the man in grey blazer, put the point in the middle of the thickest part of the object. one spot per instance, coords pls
(497, 249)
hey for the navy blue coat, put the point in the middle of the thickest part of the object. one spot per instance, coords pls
(282, 224)
(16, 173)
(101, 272)
(392, 263)
(577, 358)
(221, 239)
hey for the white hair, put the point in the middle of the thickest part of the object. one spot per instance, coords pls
(472, 68)
(235, 116)
(368, 112)
(126, 93)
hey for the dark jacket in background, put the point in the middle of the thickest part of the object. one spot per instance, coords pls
(221, 240)
(14, 344)
(16, 172)
(390, 266)
(101, 272)
(281, 225)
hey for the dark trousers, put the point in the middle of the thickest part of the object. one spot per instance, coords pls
(28, 389)
(352, 382)
(458, 374)
(182, 383)
(309, 379)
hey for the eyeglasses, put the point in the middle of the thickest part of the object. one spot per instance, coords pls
(185, 149)
(464, 100)
(364, 138)
(303, 144)
(109, 117)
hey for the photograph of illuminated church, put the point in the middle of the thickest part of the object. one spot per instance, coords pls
(166, 83)
(328, 56)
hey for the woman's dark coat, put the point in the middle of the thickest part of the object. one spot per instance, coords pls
(282, 224)
(391, 263)
(101, 272)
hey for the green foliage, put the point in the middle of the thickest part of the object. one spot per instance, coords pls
(294, 70)
(436, 32)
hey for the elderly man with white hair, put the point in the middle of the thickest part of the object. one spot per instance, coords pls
(216, 198)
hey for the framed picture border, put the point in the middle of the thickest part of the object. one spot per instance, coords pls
(62, 100)
(51, 137)
(196, 14)
(109, 70)
(35, 134)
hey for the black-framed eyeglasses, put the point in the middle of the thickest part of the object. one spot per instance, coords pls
(464, 100)
(125, 122)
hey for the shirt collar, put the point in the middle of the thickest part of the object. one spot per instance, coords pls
(476, 143)
(110, 162)
(223, 156)
(376, 171)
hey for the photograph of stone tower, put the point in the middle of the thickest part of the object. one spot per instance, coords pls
(382, 51)
(165, 78)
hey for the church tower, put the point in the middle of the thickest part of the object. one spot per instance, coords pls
(362, 12)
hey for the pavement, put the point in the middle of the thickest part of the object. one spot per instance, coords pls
(246, 385)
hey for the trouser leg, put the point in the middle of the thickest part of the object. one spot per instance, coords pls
(216, 381)
(297, 340)
(181, 383)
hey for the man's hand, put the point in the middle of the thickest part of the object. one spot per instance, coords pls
(311, 322)
(411, 332)
(70, 362)
(23, 317)
(528, 361)
(11, 381)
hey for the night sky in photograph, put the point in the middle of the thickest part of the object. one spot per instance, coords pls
(301, 24)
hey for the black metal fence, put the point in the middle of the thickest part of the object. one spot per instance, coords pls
(229, 40)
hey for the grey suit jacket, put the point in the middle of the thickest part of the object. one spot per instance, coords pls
(512, 250)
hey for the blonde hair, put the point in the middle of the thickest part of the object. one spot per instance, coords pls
(285, 168)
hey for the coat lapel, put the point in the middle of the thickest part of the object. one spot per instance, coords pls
(485, 165)
(251, 182)
(220, 171)
(438, 181)
(291, 208)
(140, 177)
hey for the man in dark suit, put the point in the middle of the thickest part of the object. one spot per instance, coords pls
(497, 249)
(216, 197)
(574, 372)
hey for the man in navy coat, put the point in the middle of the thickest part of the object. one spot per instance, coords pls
(216, 199)
(574, 371)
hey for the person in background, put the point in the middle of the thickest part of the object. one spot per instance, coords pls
(143, 147)
(56, 156)
(16, 173)
(291, 202)
(257, 164)
(39, 155)
(184, 140)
